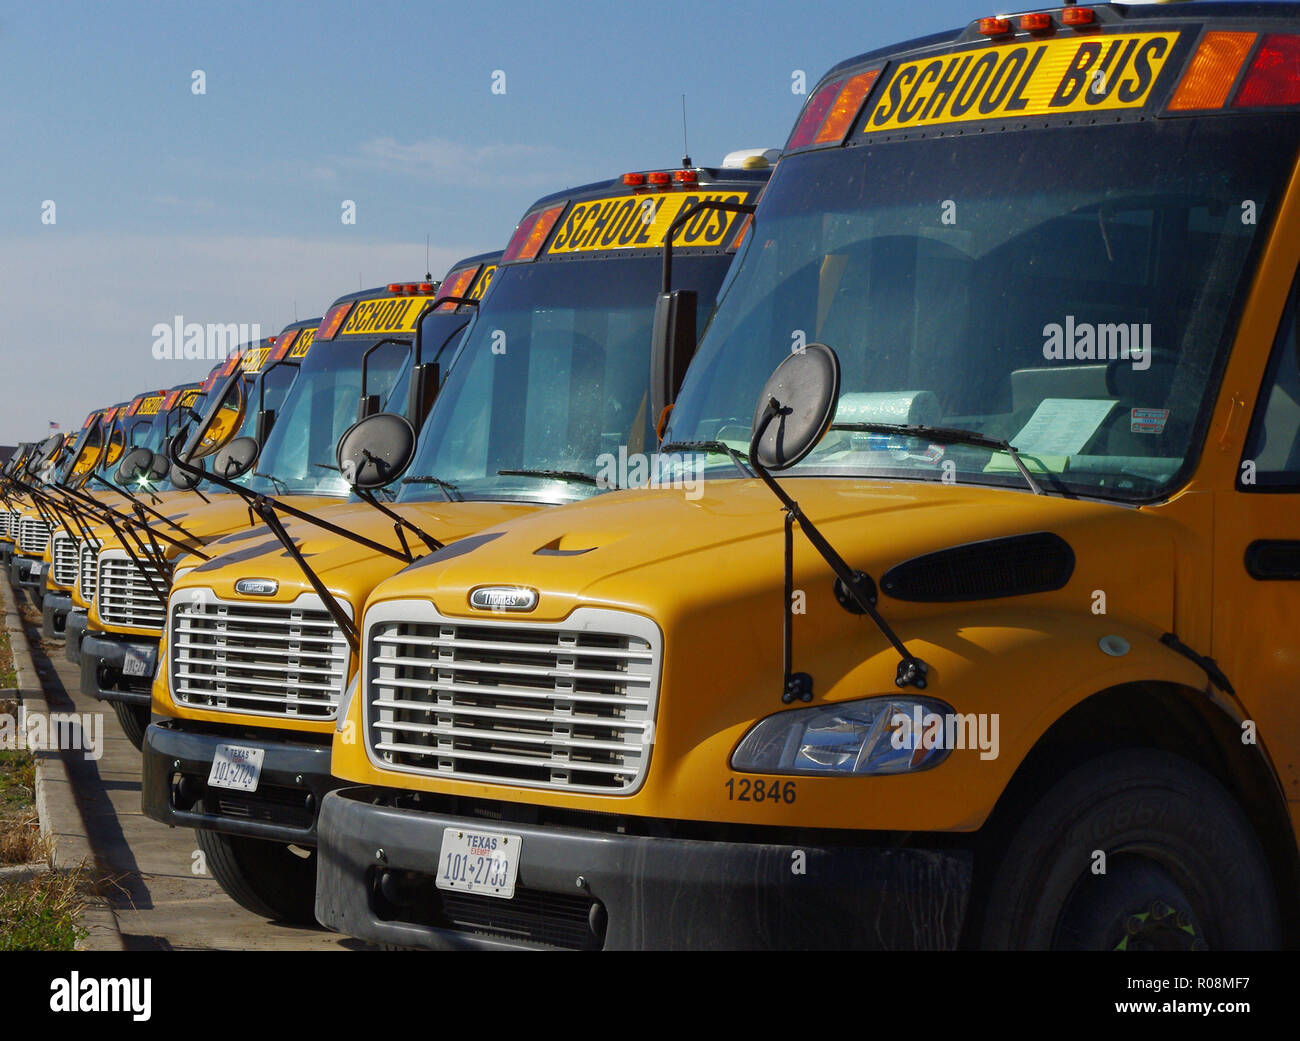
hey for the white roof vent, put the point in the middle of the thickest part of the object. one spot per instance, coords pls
(751, 159)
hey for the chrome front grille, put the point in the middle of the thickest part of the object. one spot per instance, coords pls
(257, 659)
(64, 553)
(568, 705)
(8, 518)
(33, 536)
(124, 595)
(88, 579)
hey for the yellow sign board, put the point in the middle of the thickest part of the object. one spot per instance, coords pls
(1020, 80)
(484, 280)
(393, 314)
(641, 221)
(302, 343)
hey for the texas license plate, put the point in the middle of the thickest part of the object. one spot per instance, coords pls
(236, 767)
(479, 862)
(136, 663)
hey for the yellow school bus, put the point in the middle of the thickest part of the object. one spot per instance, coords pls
(113, 622)
(970, 622)
(62, 557)
(556, 370)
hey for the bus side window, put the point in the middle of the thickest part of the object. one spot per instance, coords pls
(1273, 445)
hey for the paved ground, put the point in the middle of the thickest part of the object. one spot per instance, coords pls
(158, 901)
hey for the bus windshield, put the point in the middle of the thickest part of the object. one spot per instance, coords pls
(1072, 290)
(299, 456)
(553, 374)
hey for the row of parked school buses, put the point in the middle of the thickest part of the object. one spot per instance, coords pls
(886, 542)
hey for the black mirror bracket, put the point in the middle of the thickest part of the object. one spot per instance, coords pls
(856, 586)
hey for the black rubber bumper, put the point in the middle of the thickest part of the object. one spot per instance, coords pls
(576, 888)
(6, 553)
(54, 615)
(294, 778)
(74, 628)
(103, 660)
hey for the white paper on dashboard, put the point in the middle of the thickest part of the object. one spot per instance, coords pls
(1062, 426)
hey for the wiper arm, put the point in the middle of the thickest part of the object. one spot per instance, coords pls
(740, 459)
(451, 491)
(555, 475)
(280, 486)
(948, 436)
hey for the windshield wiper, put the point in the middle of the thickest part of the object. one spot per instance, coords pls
(555, 475)
(740, 459)
(451, 491)
(947, 436)
(280, 486)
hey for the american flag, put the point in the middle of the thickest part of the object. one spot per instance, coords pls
(54, 425)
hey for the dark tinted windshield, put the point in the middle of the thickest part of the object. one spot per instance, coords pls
(321, 404)
(1068, 289)
(552, 375)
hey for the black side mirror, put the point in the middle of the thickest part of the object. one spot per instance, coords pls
(265, 421)
(672, 346)
(796, 407)
(183, 480)
(377, 450)
(137, 463)
(236, 458)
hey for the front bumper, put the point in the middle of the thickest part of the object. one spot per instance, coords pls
(74, 628)
(581, 888)
(54, 615)
(27, 572)
(294, 778)
(105, 661)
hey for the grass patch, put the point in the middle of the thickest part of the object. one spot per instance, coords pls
(20, 833)
(8, 675)
(42, 915)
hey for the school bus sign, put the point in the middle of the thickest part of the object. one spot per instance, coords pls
(1031, 79)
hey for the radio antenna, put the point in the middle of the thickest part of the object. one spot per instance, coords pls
(686, 152)
(428, 274)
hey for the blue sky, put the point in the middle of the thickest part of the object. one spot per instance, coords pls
(225, 207)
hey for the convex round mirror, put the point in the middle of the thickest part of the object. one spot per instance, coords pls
(183, 480)
(376, 451)
(49, 448)
(135, 464)
(796, 407)
(236, 458)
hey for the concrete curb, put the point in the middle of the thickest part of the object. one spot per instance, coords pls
(62, 825)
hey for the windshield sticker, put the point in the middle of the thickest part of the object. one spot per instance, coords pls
(1031, 79)
(1148, 420)
(641, 221)
(1062, 426)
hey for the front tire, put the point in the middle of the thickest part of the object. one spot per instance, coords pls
(1182, 866)
(268, 878)
(134, 720)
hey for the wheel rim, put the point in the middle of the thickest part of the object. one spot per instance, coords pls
(1140, 904)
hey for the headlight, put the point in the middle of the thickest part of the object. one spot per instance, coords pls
(874, 736)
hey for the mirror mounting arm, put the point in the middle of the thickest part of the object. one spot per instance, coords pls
(266, 511)
(683, 219)
(148, 509)
(855, 589)
(401, 522)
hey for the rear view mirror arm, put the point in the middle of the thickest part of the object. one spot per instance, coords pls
(264, 509)
(856, 585)
(682, 219)
(401, 522)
